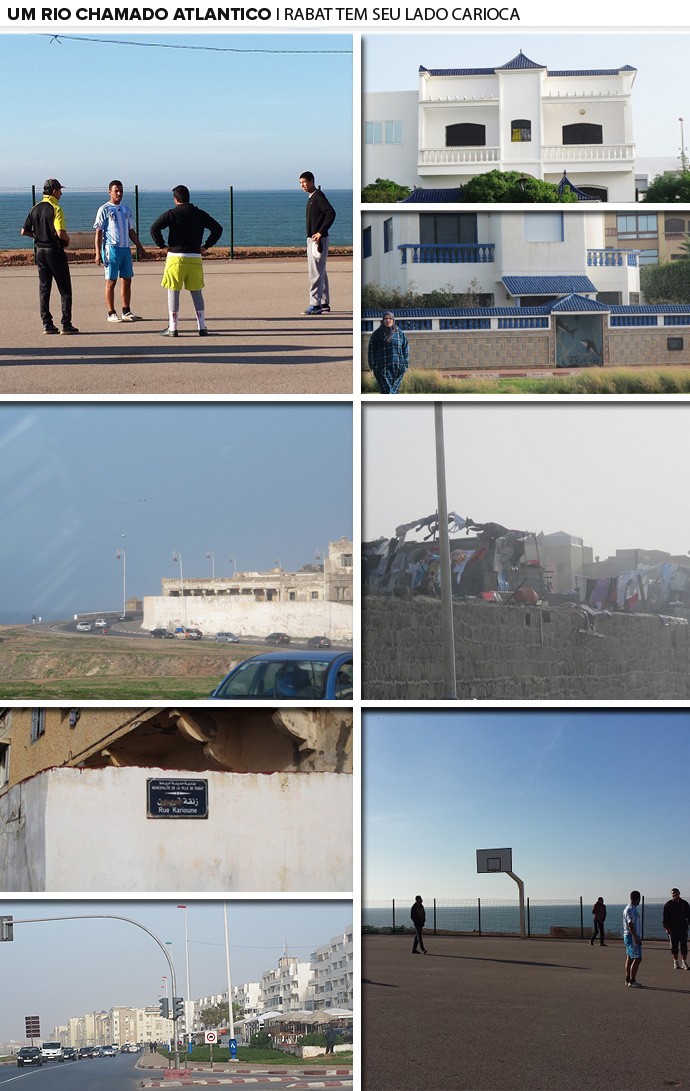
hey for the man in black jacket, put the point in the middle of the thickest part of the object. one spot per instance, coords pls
(47, 226)
(320, 216)
(418, 916)
(186, 225)
(675, 920)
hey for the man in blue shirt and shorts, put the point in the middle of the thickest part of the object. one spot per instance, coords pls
(632, 938)
(114, 228)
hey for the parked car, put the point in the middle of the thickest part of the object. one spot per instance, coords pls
(293, 675)
(227, 638)
(188, 634)
(277, 638)
(101, 623)
(108, 1051)
(318, 642)
(162, 633)
(84, 626)
(29, 1055)
(52, 1051)
(71, 1053)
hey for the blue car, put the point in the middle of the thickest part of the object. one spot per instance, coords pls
(291, 675)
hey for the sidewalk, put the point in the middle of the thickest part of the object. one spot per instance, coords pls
(259, 342)
(224, 1073)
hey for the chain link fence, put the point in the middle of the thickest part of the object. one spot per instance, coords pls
(483, 916)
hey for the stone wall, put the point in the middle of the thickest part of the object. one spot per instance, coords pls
(518, 653)
(87, 829)
(518, 350)
(249, 618)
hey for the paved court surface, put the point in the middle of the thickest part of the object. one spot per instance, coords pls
(507, 1014)
(259, 342)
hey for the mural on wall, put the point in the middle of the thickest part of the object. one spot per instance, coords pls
(579, 340)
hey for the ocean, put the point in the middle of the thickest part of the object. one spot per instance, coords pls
(505, 917)
(261, 217)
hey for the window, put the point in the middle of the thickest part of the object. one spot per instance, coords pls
(543, 227)
(583, 133)
(384, 132)
(346, 560)
(648, 257)
(674, 344)
(465, 135)
(447, 227)
(292, 596)
(315, 594)
(637, 225)
(366, 243)
(521, 131)
(388, 235)
(674, 225)
(4, 763)
(38, 723)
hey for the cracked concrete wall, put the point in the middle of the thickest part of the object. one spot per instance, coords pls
(519, 654)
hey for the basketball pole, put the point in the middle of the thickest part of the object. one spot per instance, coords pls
(447, 631)
(521, 890)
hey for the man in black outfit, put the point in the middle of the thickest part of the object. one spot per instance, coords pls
(320, 216)
(675, 920)
(186, 225)
(47, 226)
(418, 916)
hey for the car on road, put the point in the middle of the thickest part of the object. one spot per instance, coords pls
(227, 638)
(84, 626)
(188, 634)
(108, 1051)
(277, 638)
(71, 1053)
(29, 1055)
(164, 634)
(294, 675)
(89, 1052)
(101, 623)
(318, 642)
(52, 1051)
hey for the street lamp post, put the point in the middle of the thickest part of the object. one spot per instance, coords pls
(186, 955)
(233, 560)
(320, 555)
(683, 155)
(210, 556)
(231, 1018)
(121, 554)
(177, 559)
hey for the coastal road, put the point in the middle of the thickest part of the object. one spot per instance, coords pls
(103, 1074)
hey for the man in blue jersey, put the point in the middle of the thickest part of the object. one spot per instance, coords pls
(632, 938)
(114, 229)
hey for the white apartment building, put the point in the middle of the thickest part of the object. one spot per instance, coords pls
(509, 259)
(517, 116)
(332, 971)
(285, 988)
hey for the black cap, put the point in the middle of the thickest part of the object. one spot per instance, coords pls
(51, 184)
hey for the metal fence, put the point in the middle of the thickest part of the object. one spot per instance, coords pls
(256, 218)
(483, 916)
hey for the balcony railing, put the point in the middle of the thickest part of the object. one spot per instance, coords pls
(577, 153)
(613, 258)
(461, 253)
(454, 156)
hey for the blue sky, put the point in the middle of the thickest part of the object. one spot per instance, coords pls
(586, 471)
(43, 967)
(258, 482)
(591, 802)
(390, 63)
(250, 119)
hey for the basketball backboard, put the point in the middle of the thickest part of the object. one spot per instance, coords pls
(490, 860)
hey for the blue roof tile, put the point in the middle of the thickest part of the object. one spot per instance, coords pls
(551, 285)
(420, 195)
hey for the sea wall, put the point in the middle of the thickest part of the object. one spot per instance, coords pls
(518, 653)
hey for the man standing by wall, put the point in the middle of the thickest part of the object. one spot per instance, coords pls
(186, 225)
(47, 226)
(114, 226)
(320, 216)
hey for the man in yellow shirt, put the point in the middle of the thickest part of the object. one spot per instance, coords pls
(47, 226)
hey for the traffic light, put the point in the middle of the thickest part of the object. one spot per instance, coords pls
(178, 1007)
(6, 929)
(165, 1007)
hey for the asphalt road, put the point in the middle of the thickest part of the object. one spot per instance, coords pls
(502, 1014)
(103, 1074)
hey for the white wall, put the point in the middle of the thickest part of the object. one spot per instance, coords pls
(86, 829)
(234, 614)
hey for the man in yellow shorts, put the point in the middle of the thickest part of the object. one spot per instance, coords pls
(186, 225)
